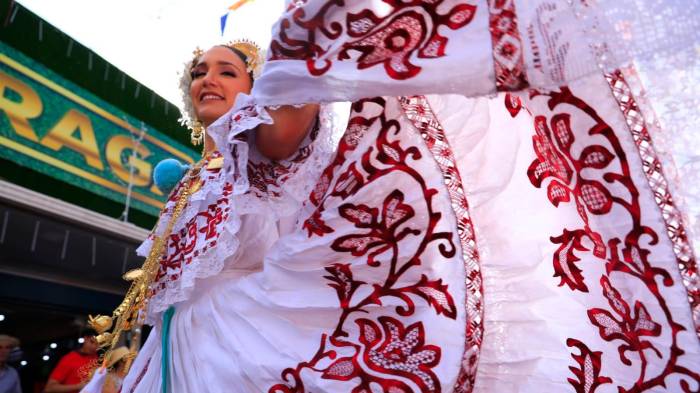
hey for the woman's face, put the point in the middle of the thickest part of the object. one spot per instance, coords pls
(217, 78)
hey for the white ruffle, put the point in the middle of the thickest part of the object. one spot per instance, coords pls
(285, 196)
(179, 282)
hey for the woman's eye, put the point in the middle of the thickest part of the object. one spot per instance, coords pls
(229, 73)
(197, 74)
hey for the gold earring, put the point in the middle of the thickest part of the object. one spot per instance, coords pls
(197, 135)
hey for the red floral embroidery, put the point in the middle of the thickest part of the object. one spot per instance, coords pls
(419, 112)
(393, 351)
(400, 351)
(675, 228)
(409, 29)
(627, 257)
(627, 328)
(195, 236)
(352, 180)
(587, 374)
(382, 234)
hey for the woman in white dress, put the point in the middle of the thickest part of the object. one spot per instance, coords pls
(510, 242)
(252, 277)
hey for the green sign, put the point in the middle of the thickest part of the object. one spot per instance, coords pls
(54, 127)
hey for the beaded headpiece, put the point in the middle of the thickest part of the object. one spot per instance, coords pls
(254, 64)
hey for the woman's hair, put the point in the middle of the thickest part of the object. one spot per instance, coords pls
(237, 52)
(13, 341)
(88, 332)
(245, 61)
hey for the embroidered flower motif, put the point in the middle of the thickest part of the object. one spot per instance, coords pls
(550, 161)
(587, 374)
(628, 328)
(382, 233)
(398, 350)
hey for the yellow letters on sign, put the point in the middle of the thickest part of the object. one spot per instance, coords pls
(142, 169)
(19, 113)
(61, 135)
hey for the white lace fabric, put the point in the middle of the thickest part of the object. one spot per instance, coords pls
(287, 183)
(205, 236)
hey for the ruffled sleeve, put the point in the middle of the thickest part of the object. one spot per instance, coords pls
(276, 187)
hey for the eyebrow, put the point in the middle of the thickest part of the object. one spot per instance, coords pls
(220, 62)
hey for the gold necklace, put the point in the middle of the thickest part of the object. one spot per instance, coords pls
(131, 311)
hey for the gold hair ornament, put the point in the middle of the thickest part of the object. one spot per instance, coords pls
(253, 54)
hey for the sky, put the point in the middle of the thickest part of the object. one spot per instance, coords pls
(151, 39)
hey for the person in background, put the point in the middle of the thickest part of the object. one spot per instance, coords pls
(9, 379)
(71, 372)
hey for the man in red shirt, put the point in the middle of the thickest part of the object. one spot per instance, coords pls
(71, 372)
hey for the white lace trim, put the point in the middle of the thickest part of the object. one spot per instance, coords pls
(289, 190)
(178, 283)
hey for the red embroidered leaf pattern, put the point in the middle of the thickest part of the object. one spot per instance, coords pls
(396, 212)
(343, 369)
(610, 328)
(436, 294)
(565, 260)
(513, 104)
(357, 245)
(549, 162)
(596, 197)
(627, 328)
(561, 128)
(596, 156)
(392, 40)
(391, 45)
(620, 323)
(587, 373)
(348, 182)
(390, 153)
(614, 298)
(361, 215)
(557, 192)
(320, 189)
(342, 282)
(643, 325)
(315, 225)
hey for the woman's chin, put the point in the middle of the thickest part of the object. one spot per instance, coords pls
(212, 113)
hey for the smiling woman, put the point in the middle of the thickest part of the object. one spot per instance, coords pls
(216, 77)
(258, 166)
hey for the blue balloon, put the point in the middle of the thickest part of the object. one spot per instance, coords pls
(168, 173)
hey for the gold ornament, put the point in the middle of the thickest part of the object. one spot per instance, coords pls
(100, 323)
(251, 51)
(198, 131)
(104, 339)
(132, 275)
